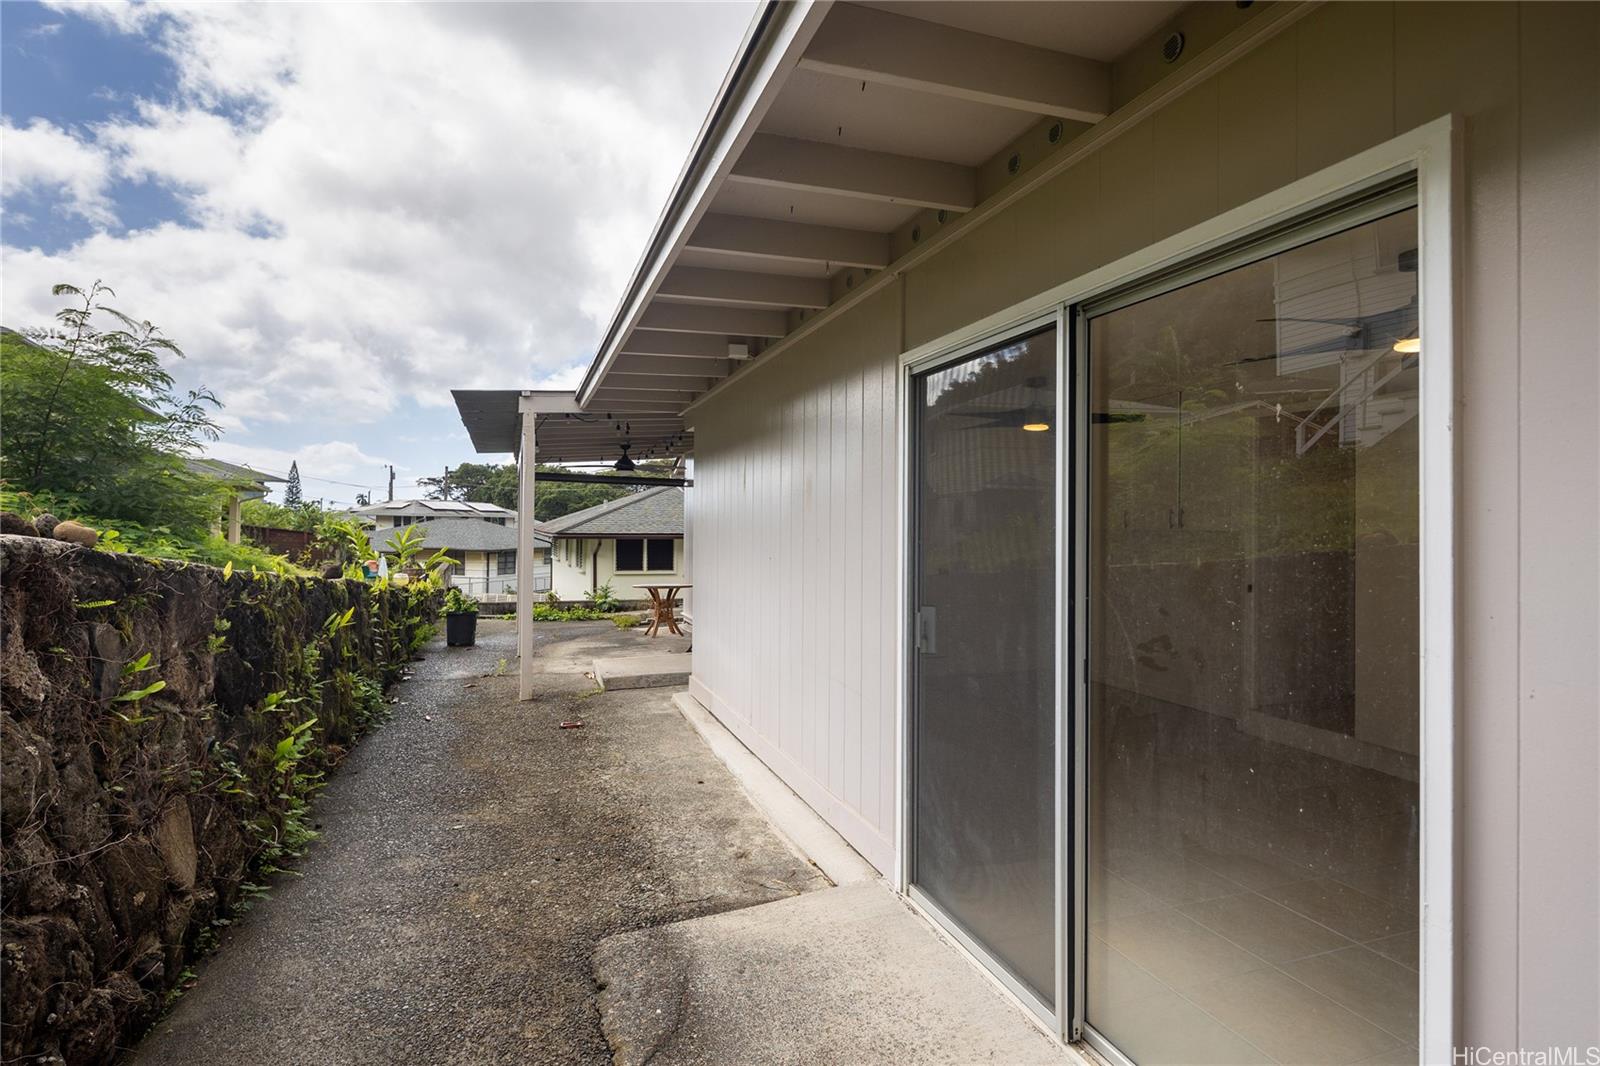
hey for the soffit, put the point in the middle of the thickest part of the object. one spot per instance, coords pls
(1094, 29)
(871, 116)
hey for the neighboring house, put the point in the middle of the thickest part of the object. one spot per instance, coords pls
(247, 484)
(484, 554)
(624, 542)
(1164, 437)
(409, 512)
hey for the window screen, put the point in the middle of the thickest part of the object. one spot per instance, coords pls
(630, 554)
(660, 553)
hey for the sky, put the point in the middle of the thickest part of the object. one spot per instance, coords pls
(342, 211)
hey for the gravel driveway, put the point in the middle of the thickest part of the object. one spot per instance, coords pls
(473, 853)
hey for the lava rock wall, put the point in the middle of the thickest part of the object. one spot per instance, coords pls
(132, 826)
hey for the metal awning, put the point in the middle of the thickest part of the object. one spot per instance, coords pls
(494, 423)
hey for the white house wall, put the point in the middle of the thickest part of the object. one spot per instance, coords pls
(795, 523)
(571, 583)
(794, 562)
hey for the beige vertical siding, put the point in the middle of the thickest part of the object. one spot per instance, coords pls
(795, 466)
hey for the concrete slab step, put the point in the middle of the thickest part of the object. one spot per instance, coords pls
(656, 670)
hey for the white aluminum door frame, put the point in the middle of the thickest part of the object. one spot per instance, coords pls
(1049, 1015)
(1431, 153)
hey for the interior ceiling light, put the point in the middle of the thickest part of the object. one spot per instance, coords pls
(1036, 427)
(1408, 345)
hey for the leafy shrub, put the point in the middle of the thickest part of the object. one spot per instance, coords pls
(603, 600)
(545, 612)
(157, 542)
(625, 621)
(458, 602)
(95, 420)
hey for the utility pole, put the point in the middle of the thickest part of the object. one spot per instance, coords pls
(444, 488)
(391, 482)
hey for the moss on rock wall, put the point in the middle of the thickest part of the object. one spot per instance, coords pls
(133, 826)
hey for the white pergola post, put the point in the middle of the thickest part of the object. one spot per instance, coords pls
(525, 486)
(235, 521)
(530, 405)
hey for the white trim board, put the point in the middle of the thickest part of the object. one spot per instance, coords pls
(1430, 152)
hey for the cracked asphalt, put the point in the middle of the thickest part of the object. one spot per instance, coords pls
(472, 855)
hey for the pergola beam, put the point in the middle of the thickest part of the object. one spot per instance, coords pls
(788, 163)
(723, 321)
(663, 342)
(612, 447)
(626, 409)
(865, 44)
(791, 242)
(738, 287)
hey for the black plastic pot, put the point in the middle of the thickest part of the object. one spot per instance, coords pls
(461, 630)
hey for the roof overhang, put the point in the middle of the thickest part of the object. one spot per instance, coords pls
(847, 133)
(563, 432)
(849, 141)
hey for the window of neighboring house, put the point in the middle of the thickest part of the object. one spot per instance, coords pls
(639, 555)
(506, 562)
(457, 568)
(583, 557)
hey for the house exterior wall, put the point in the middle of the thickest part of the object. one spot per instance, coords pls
(795, 488)
(481, 575)
(570, 582)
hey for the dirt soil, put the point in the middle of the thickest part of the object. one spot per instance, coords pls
(473, 854)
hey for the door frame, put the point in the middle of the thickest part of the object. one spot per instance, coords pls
(1046, 1014)
(1431, 153)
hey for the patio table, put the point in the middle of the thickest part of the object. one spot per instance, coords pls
(663, 598)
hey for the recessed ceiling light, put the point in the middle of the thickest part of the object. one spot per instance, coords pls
(1408, 345)
(1036, 427)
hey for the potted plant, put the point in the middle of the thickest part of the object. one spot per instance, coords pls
(460, 619)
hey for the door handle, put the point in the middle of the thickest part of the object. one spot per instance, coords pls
(927, 630)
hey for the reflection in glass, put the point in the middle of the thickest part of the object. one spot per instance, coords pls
(1253, 701)
(984, 712)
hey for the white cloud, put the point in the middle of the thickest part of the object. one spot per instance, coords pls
(337, 459)
(384, 202)
(41, 157)
(568, 377)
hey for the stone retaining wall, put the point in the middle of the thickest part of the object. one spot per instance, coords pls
(132, 828)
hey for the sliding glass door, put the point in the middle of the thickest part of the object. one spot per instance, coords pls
(1253, 659)
(1240, 801)
(983, 697)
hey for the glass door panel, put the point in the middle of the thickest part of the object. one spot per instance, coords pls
(1253, 660)
(984, 681)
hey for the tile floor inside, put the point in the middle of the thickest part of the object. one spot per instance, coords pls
(1249, 901)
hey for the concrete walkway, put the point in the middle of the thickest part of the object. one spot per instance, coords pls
(846, 975)
(473, 855)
